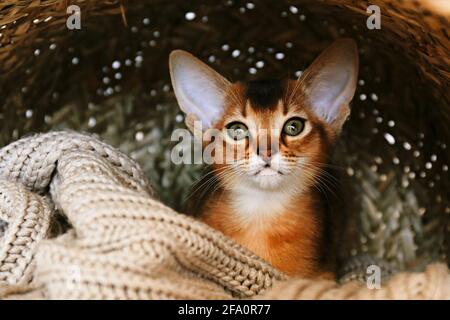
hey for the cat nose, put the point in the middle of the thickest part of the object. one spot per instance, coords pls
(266, 151)
(265, 155)
(267, 161)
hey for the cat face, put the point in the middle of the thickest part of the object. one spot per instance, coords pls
(276, 134)
(276, 140)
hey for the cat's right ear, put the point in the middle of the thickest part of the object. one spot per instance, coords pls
(200, 91)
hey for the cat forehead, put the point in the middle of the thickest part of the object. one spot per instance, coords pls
(263, 98)
(264, 94)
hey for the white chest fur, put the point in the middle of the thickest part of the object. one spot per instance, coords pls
(253, 205)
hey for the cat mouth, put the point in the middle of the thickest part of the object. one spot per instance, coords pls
(267, 171)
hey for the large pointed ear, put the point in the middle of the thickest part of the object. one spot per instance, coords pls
(200, 91)
(330, 82)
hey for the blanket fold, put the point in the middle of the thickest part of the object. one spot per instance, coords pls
(124, 243)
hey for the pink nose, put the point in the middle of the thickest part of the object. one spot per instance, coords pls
(266, 156)
(266, 151)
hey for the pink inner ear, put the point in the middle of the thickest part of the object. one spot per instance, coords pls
(330, 82)
(329, 93)
(198, 88)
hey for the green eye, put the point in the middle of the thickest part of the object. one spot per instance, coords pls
(237, 130)
(294, 126)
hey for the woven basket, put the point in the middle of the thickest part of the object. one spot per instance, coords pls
(111, 78)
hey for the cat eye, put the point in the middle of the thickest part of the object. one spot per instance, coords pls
(237, 130)
(294, 126)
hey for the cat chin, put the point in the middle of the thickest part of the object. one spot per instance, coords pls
(268, 180)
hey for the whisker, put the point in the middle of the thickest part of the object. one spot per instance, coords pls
(213, 175)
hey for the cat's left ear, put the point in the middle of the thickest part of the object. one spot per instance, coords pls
(199, 89)
(329, 84)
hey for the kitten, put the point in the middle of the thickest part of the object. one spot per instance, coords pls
(269, 198)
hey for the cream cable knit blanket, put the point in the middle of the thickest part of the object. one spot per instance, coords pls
(126, 245)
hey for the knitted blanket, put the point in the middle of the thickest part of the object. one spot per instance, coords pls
(124, 244)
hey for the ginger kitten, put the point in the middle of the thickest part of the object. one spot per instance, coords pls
(268, 198)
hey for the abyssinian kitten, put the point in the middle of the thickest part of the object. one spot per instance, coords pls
(268, 198)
